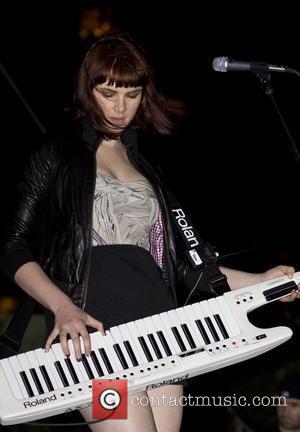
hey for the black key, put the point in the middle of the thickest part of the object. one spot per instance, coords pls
(87, 367)
(61, 373)
(164, 343)
(46, 378)
(221, 326)
(97, 364)
(188, 335)
(26, 383)
(155, 346)
(178, 338)
(212, 329)
(202, 331)
(36, 380)
(72, 371)
(120, 356)
(145, 348)
(106, 361)
(131, 353)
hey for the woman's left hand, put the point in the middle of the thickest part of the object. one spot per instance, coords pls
(282, 270)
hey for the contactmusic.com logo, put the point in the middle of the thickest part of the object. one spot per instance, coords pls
(110, 399)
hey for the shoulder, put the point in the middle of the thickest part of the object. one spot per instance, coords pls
(63, 142)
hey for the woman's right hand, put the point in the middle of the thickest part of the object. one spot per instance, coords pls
(70, 319)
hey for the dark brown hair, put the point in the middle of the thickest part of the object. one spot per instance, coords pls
(120, 61)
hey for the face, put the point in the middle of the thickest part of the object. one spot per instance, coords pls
(119, 104)
(289, 415)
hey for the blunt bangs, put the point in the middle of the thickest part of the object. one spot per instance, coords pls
(121, 72)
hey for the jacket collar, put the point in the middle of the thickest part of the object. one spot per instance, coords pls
(91, 137)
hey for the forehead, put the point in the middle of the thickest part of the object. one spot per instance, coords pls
(113, 87)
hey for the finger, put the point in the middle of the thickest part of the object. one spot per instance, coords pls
(76, 345)
(290, 271)
(287, 270)
(50, 339)
(291, 297)
(92, 322)
(86, 341)
(64, 344)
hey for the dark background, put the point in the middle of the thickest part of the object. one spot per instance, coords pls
(229, 161)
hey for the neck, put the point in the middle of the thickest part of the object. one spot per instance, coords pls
(111, 143)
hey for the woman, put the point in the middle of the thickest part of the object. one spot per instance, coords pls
(92, 240)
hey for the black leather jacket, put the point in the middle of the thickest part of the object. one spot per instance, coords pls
(53, 219)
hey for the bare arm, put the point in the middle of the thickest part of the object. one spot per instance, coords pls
(69, 319)
(239, 279)
(34, 281)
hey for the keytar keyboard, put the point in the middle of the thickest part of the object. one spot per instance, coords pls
(149, 352)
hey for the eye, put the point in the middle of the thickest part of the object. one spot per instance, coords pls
(106, 94)
(133, 96)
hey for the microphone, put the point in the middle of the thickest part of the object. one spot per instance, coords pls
(226, 64)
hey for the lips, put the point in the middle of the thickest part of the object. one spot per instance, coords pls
(117, 120)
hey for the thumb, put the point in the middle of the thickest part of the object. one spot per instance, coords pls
(92, 322)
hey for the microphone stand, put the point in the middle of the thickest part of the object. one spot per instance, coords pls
(22, 99)
(265, 80)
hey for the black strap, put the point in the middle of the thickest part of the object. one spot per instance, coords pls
(11, 339)
(201, 255)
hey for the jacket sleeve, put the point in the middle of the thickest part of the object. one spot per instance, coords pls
(16, 246)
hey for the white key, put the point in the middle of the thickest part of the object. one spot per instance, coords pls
(208, 313)
(168, 324)
(185, 319)
(192, 316)
(44, 360)
(159, 325)
(217, 311)
(235, 330)
(11, 379)
(60, 356)
(127, 337)
(106, 342)
(78, 366)
(92, 366)
(174, 317)
(52, 360)
(143, 332)
(134, 332)
(94, 347)
(100, 344)
(151, 329)
(16, 367)
(31, 357)
(117, 336)
(26, 366)
(200, 315)
(88, 359)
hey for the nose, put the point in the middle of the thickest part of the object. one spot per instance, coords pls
(120, 106)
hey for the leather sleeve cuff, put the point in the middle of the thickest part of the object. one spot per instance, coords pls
(13, 259)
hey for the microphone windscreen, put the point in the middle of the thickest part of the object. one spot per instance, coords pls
(219, 64)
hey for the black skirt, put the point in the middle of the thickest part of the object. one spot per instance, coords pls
(125, 284)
